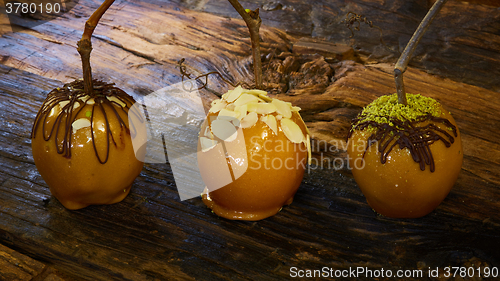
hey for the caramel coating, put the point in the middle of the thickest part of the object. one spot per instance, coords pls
(275, 170)
(399, 188)
(80, 180)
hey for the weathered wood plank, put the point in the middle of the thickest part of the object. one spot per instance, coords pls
(462, 43)
(152, 235)
(15, 266)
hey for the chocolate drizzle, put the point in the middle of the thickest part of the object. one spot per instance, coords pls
(408, 134)
(106, 98)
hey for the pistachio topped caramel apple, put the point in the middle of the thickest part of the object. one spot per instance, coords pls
(405, 158)
(253, 153)
(81, 137)
(405, 150)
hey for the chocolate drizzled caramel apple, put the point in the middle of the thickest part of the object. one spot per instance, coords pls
(82, 144)
(405, 150)
(405, 158)
(81, 137)
(265, 144)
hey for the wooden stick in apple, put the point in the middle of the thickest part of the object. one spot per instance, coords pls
(85, 44)
(403, 60)
(253, 21)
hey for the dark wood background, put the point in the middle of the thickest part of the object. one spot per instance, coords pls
(309, 59)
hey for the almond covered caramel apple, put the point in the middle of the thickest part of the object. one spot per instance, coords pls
(82, 144)
(252, 154)
(405, 158)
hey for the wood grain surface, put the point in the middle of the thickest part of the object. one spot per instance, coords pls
(462, 43)
(309, 60)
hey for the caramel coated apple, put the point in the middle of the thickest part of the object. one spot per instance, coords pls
(253, 153)
(405, 159)
(82, 145)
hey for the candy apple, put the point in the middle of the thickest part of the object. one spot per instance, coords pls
(81, 138)
(82, 145)
(253, 153)
(405, 158)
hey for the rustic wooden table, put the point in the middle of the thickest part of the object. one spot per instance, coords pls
(310, 60)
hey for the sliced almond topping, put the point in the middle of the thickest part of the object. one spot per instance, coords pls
(236, 122)
(296, 108)
(257, 92)
(227, 113)
(279, 117)
(117, 100)
(262, 95)
(208, 133)
(207, 144)
(217, 105)
(270, 121)
(265, 98)
(88, 100)
(55, 110)
(241, 111)
(249, 120)
(224, 130)
(245, 98)
(283, 108)
(291, 130)
(63, 103)
(80, 123)
(234, 94)
(309, 153)
(261, 108)
(84, 98)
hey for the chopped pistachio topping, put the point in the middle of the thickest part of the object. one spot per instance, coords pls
(392, 124)
(387, 107)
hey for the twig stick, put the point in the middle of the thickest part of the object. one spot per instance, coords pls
(403, 60)
(85, 45)
(253, 21)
